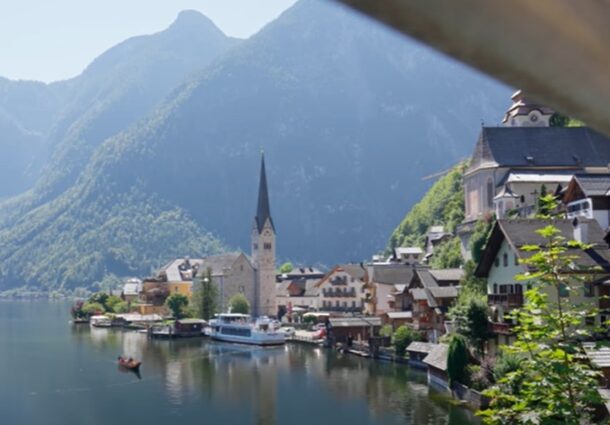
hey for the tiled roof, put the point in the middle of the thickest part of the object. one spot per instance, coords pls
(444, 292)
(447, 274)
(520, 232)
(574, 147)
(346, 322)
(427, 280)
(594, 184)
(392, 274)
(421, 347)
(437, 357)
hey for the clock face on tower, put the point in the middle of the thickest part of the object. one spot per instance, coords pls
(267, 233)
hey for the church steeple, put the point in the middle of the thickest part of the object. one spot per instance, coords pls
(263, 211)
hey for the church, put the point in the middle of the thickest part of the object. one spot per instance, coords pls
(232, 272)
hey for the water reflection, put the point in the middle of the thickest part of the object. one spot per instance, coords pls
(294, 383)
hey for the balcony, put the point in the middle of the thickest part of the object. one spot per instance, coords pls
(506, 300)
(500, 328)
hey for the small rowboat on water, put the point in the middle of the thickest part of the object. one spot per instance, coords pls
(129, 363)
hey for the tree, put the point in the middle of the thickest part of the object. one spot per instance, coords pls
(91, 309)
(205, 298)
(403, 336)
(121, 307)
(457, 360)
(286, 267)
(111, 303)
(470, 283)
(177, 303)
(554, 383)
(481, 232)
(99, 298)
(238, 303)
(470, 317)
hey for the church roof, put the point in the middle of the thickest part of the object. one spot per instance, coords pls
(547, 147)
(263, 212)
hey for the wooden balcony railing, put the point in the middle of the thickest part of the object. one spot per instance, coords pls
(500, 328)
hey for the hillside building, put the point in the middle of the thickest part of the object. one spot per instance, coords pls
(512, 166)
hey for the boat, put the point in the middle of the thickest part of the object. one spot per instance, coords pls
(129, 363)
(240, 328)
(100, 321)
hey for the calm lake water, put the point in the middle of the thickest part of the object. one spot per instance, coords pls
(52, 372)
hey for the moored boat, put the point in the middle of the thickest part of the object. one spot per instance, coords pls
(100, 321)
(129, 363)
(240, 328)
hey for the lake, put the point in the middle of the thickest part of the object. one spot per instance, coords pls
(53, 372)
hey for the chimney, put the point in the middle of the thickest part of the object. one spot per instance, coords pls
(581, 231)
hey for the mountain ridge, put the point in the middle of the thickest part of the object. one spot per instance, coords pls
(350, 116)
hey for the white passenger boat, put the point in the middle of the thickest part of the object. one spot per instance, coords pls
(240, 328)
(100, 321)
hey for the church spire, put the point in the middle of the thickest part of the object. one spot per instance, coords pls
(263, 212)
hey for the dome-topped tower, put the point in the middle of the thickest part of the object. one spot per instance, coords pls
(524, 113)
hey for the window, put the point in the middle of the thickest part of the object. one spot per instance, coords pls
(589, 320)
(353, 304)
(497, 262)
(495, 291)
(255, 246)
(516, 260)
(518, 289)
(505, 259)
(563, 290)
(589, 290)
(490, 192)
(267, 245)
(337, 303)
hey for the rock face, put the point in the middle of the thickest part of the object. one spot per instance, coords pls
(349, 114)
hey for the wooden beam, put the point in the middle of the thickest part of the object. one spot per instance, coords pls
(557, 51)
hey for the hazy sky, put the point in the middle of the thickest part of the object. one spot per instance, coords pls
(50, 40)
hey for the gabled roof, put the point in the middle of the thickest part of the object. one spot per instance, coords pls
(447, 274)
(392, 274)
(593, 184)
(421, 347)
(566, 147)
(408, 250)
(357, 271)
(426, 278)
(437, 357)
(520, 232)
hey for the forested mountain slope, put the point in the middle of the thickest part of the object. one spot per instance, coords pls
(350, 116)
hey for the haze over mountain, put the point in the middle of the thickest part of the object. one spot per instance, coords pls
(69, 119)
(350, 116)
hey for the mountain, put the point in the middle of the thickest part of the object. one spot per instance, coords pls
(120, 87)
(350, 115)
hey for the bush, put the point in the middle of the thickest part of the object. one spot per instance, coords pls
(457, 360)
(238, 303)
(386, 330)
(177, 303)
(403, 336)
(478, 378)
(91, 309)
(506, 364)
(121, 307)
(111, 303)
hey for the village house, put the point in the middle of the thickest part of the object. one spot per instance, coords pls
(414, 295)
(435, 236)
(299, 293)
(346, 329)
(343, 289)
(588, 196)
(510, 165)
(501, 262)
